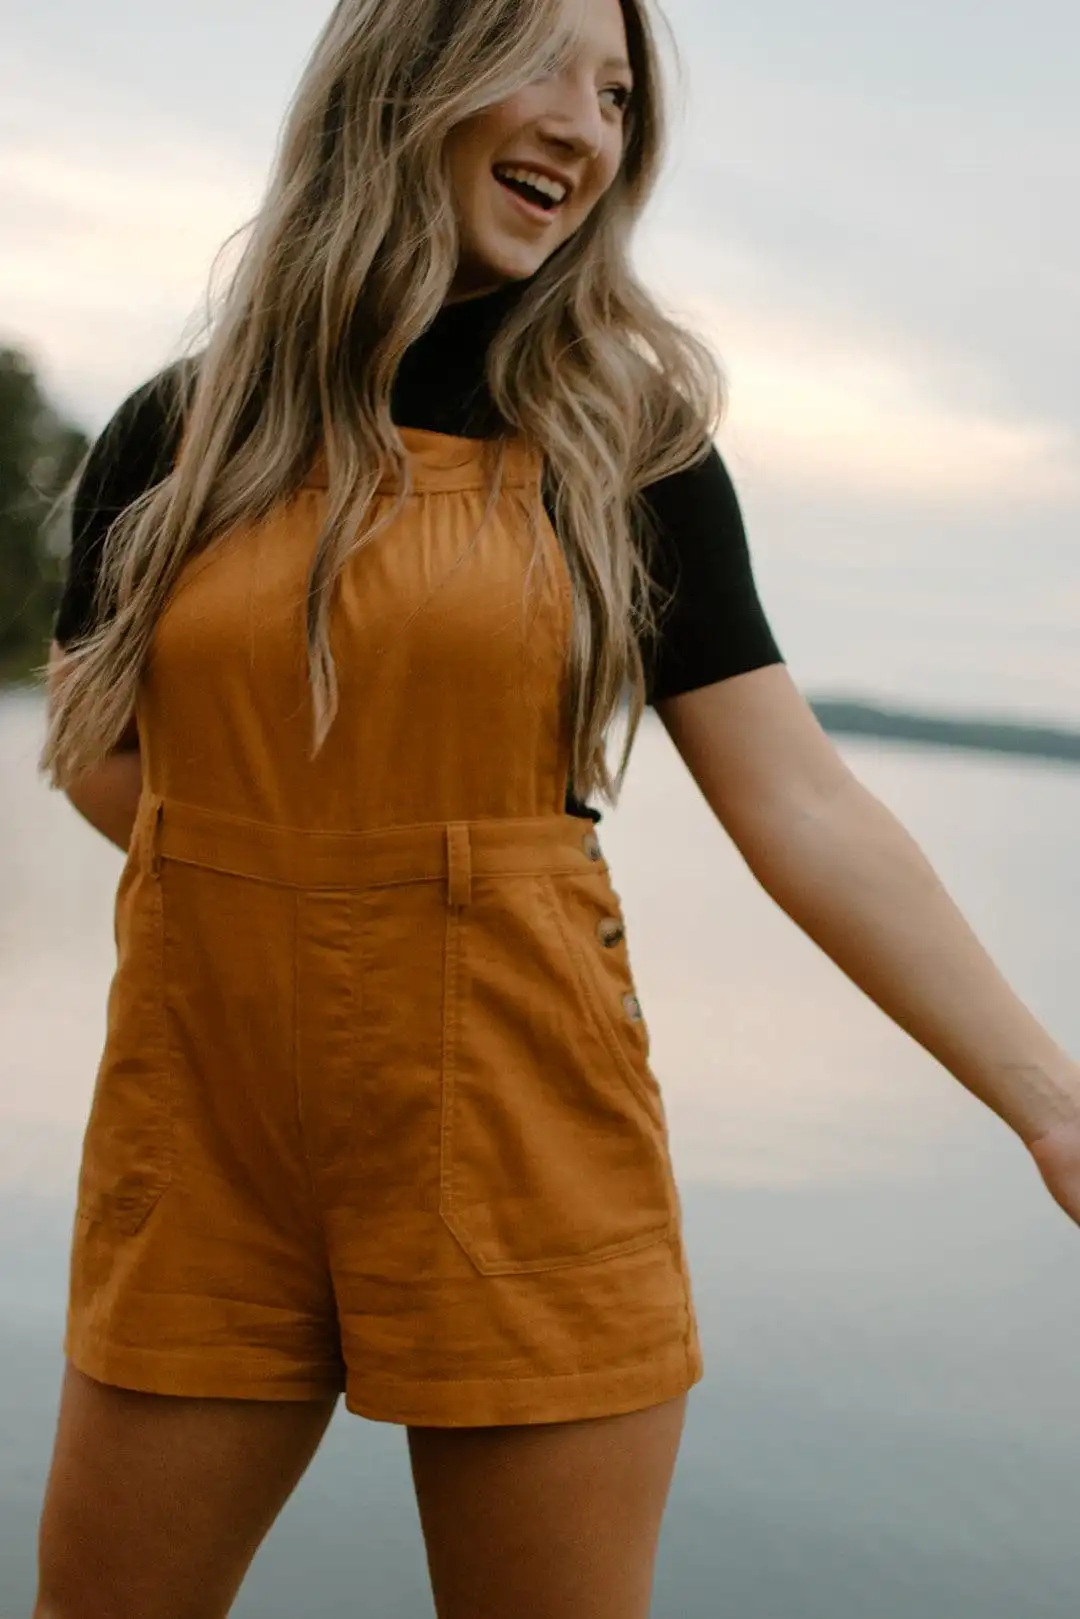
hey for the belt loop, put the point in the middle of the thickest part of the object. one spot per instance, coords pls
(152, 836)
(458, 864)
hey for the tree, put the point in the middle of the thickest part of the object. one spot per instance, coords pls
(39, 454)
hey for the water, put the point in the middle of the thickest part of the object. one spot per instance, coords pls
(888, 1297)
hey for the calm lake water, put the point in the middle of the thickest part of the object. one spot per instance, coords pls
(889, 1300)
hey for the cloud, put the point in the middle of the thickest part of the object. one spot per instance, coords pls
(109, 240)
(849, 408)
(784, 237)
(816, 409)
(934, 216)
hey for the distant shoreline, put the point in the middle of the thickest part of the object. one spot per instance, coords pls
(854, 717)
(850, 717)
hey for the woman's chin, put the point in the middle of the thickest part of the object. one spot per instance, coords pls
(494, 269)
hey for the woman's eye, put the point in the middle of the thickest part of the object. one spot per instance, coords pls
(620, 95)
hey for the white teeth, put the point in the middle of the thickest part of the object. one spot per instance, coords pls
(539, 182)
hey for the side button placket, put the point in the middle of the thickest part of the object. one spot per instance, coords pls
(591, 845)
(610, 930)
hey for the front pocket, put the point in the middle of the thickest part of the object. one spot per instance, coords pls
(127, 1150)
(554, 1145)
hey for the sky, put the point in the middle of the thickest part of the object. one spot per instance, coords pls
(870, 211)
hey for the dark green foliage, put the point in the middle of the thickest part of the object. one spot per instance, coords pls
(39, 453)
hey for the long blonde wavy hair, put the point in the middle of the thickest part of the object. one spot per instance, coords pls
(347, 262)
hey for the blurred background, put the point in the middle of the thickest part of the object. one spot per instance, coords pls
(871, 211)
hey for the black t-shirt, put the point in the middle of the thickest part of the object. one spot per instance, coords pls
(714, 626)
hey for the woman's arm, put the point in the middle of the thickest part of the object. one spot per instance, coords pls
(133, 453)
(836, 860)
(108, 795)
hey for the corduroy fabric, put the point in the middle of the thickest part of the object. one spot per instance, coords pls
(375, 1111)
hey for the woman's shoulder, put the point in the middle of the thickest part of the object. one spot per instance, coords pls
(137, 445)
(133, 452)
(698, 502)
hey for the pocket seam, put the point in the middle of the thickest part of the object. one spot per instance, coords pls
(128, 1213)
(451, 1013)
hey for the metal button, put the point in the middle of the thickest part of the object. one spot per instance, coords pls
(632, 1008)
(591, 844)
(611, 932)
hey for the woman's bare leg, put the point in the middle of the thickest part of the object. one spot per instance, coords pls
(552, 1522)
(155, 1507)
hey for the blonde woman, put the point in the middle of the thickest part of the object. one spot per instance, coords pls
(354, 597)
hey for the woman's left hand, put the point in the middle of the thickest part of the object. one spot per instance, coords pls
(1057, 1155)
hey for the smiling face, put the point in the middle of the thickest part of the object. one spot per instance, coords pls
(526, 173)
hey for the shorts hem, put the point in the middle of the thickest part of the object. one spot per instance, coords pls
(147, 1371)
(499, 1402)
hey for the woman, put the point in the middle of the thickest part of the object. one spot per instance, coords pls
(354, 598)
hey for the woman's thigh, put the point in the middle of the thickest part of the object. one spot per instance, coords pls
(553, 1522)
(156, 1506)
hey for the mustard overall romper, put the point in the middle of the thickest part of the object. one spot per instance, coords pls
(375, 1111)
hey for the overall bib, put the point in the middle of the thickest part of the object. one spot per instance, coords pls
(375, 1111)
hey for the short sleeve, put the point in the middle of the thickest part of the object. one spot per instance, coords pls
(133, 453)
(713, 625)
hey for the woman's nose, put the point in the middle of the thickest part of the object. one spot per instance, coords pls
(574, 119)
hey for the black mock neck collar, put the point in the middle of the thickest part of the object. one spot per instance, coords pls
(442, 380)
(477, 319)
